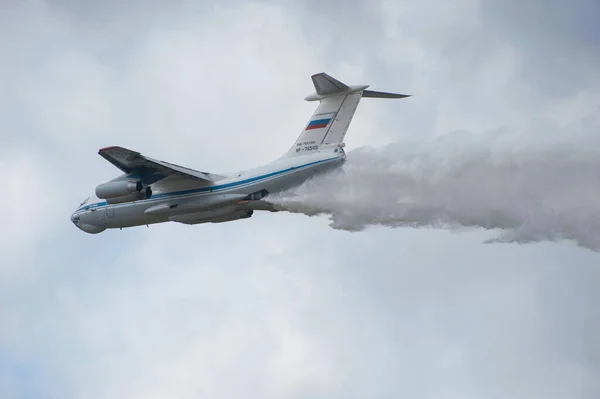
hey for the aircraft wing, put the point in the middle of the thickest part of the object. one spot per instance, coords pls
(133, 162)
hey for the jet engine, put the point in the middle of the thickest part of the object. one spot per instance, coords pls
(136, 196)
(118, 188)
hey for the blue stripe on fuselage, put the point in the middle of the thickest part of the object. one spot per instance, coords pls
(213, 188)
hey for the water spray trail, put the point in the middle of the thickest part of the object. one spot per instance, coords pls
(528, 191)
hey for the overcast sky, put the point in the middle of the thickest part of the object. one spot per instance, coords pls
(282, 305)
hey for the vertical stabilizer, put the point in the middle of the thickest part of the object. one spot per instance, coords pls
(330, 121)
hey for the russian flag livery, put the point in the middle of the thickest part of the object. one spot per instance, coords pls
(318, 123)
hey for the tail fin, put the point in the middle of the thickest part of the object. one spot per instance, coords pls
(330, 121)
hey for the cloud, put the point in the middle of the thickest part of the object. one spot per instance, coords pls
(25, 215)
(280, 304)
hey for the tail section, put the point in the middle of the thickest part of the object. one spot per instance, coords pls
(337, 105)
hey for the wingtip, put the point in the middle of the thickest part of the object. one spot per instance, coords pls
(108, 148)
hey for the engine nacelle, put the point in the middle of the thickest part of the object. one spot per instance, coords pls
(144, 194)
(118, 188)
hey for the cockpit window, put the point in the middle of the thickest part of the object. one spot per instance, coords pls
(84, 202)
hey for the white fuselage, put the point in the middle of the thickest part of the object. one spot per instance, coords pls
(192, 202)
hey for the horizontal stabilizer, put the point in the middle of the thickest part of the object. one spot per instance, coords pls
(325, 84)
(382, 94)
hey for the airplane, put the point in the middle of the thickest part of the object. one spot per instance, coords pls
(151, 191)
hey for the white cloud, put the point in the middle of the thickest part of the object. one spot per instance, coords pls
(280, 304)
(28, 202)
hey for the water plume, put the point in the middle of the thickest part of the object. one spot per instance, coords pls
(539, 185)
